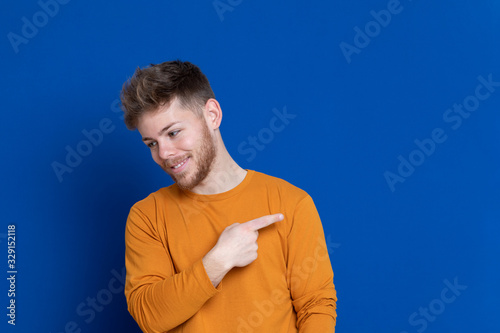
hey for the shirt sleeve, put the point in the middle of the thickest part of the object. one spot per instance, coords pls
(158, 298)
(310, 275)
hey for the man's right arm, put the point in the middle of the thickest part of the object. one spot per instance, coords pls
(158, 298)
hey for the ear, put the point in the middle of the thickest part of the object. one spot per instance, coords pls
(213, 113)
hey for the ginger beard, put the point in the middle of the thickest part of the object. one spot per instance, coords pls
(200, 163)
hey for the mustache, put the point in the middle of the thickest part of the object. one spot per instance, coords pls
(175, 161)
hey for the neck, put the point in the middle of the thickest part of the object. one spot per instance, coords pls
(225, 175)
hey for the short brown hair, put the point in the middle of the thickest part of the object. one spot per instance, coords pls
(157, 85)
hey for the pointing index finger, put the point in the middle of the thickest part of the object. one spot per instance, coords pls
(264, 221)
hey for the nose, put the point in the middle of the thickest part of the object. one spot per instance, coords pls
(165, 149)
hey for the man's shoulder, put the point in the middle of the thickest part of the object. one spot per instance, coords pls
(162, 195)
(273, 183)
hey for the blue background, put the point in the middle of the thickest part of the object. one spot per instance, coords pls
(355, 115)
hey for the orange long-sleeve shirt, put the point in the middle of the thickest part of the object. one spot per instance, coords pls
(288, 288)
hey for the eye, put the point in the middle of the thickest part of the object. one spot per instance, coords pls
(152, 144)
(173, 133)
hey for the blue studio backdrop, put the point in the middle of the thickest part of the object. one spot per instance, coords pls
(387, 112)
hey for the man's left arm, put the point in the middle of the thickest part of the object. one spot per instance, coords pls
(309, 272)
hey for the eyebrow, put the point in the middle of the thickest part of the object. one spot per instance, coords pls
(164, 129)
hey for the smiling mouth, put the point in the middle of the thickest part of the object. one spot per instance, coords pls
(180, 164)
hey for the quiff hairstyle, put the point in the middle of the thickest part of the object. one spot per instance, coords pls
(158, 85)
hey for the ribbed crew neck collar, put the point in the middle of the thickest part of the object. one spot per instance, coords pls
(224, 195)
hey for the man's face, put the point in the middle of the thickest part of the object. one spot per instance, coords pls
(180, 143)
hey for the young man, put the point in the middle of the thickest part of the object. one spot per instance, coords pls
(224, 249)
